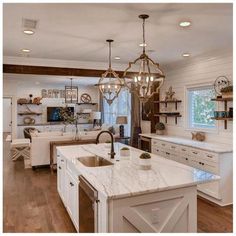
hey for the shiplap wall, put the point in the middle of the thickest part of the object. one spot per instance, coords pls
(198, 71)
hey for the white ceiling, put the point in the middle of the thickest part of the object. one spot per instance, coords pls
(78, 31)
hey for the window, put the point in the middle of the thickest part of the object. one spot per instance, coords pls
(201, 108)
(120, 107)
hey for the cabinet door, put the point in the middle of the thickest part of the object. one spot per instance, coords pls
(61, 177)
(72, 200)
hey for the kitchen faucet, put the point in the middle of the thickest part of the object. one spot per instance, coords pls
(112, 142)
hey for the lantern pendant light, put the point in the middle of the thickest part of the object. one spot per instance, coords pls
(110, 84)
(149, 77)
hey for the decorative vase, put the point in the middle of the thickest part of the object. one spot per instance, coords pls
(125, 153)
(159, 132)
(145, 164)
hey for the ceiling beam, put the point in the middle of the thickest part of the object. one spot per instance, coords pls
(59, 71)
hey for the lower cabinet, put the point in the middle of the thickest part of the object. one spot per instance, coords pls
(68, 189)
(72, 198)
(219, 191)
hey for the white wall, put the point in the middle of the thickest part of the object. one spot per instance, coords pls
(197, 71)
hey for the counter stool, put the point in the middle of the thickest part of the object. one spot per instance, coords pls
(20, 147)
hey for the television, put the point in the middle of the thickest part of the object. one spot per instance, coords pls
(53, 113)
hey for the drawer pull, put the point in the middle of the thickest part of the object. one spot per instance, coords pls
(203, 164)
(210, 156)
(186, 159)
(71, 184)
(167, 153)
(163, 144)
(173, 147)
(157, 150)
(62, 160)
(59, 167)
(183, 150)
(200, 163)
(195, 152)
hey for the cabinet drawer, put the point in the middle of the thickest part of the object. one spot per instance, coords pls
(206, 166)
(210, 156)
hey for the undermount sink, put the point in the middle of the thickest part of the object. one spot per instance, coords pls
(94, 161)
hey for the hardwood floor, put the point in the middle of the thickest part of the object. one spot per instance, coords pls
(31, 203)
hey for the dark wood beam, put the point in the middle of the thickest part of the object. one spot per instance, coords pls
(59, 71)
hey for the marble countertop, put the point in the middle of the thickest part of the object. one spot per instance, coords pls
(125, 178)
(213, 147)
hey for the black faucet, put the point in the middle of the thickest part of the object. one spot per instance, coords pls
(112, 142)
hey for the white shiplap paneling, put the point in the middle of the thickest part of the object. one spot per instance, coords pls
(206, 70)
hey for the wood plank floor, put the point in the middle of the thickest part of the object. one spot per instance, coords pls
(31, 203)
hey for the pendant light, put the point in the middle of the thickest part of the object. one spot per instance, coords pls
(110, 84)
(71, 93)
(149, 77)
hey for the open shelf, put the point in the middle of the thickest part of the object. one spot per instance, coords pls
(225, 100)
(36, 104)
(175, 115)
(86, 103)
(29, 113)
(222, 118)
(222, 99)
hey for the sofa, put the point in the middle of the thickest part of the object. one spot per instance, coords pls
(40, 144)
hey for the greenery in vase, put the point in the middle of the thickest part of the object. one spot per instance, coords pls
(227, 89)
(67, 116)
(145, 155)
(160, 126)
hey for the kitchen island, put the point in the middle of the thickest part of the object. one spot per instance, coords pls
(129, 199)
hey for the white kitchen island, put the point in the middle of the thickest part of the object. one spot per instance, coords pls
(163, 199)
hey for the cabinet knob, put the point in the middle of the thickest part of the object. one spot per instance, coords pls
(62, 160)
(71, 184)
(195, 152)
(200, 163)
(186, 159)
(59, 167)
(203, 164)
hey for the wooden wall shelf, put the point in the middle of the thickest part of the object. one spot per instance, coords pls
(168, 115)
(87, 103)
(29, 113)
(225, 119)
(36, 104)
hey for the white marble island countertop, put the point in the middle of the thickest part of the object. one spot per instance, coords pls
(125, 178)
(213, 147)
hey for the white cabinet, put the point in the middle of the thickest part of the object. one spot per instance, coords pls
(72, 198)
(220, 164)
(61, 169)
(67, 187)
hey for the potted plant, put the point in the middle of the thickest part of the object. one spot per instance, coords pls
(124, 151)
(145, 161)
(227, 92)
(160, 127)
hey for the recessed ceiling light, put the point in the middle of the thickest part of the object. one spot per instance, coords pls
(143, 45)
(28, 31)
(186, 54)
(25, 50)
(184, 23)
(117, 58)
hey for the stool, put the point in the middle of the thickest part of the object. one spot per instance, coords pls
(20, 147)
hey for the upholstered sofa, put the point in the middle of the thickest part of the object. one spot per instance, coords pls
(40, 144)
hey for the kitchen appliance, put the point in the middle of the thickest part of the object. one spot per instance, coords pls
(88, 207)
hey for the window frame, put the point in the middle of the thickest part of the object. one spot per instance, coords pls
(186, 110)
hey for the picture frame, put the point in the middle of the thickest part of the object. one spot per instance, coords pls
(71, 94)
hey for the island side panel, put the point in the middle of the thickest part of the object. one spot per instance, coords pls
(166, 211)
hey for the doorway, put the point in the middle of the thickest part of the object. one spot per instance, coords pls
(7, 117)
